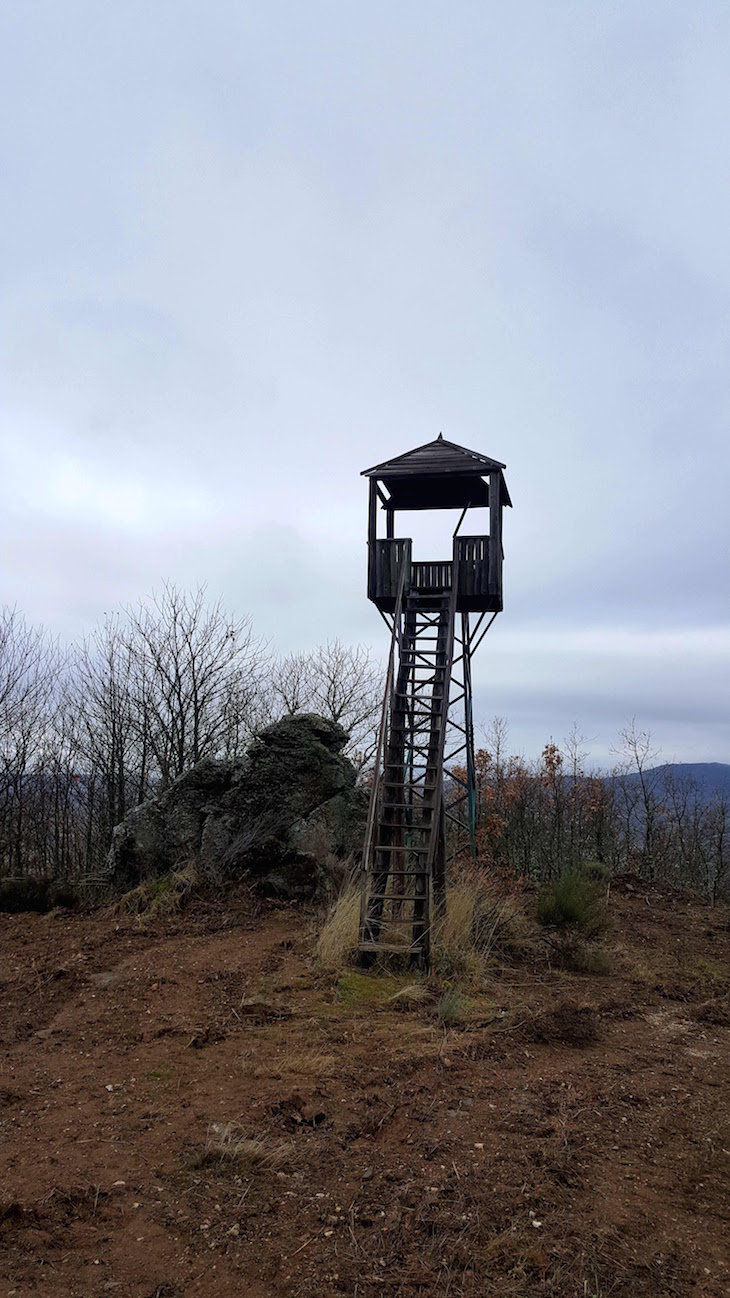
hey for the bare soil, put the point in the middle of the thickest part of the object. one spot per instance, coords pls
(191, 1107)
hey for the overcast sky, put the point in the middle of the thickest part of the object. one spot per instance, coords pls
(250, 249)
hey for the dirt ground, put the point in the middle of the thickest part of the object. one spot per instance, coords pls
(190, 1107)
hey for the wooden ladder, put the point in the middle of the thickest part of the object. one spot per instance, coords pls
(404, 857)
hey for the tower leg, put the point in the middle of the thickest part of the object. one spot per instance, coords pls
(471, 789)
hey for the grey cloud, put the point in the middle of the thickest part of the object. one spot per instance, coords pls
(251, 250)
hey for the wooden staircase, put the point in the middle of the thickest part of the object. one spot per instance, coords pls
(404, 856)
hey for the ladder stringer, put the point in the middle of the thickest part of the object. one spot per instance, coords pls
(404, 858)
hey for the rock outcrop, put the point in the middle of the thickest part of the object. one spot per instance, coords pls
(284, 814)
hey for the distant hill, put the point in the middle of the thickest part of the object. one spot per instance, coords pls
(713, 777)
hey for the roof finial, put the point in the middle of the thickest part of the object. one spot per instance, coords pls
(440, 437)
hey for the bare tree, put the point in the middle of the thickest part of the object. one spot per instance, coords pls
(30, 672)
(718, 855)
(637, 755)
(292, 684)
(196, 674)
(111, 741)
(340, 682)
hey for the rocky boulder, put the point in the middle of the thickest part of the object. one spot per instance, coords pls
(284, 813)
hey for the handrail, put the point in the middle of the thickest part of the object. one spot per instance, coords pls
(384, 716)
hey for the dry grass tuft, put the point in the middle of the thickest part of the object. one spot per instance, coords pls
(480, 926)
(453, 1008)
(225, 1144)
(409, 996)
(337, 942)
(299, 1064)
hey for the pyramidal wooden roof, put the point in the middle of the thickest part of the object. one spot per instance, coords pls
(436, 457)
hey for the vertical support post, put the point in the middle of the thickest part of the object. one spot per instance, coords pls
(471, 786)
(372, 536)
(390, 524)
(495, 540)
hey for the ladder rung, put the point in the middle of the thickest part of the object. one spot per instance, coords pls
(389, 896)
(396, 784)
(405, 806)
(388, 847)
(389, 947)
(413, 829)
(400, 874)
(394, 919)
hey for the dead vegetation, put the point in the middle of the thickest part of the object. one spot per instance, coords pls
(226, 1145)
(156, 898)
(337, 941)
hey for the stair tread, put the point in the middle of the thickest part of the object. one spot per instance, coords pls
(389, 896)
(389, 947)
(399, 847)
(399, 874)
(394, 919)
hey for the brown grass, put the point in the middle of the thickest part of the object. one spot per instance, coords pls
(225, 1143)
(156, 898)
(480, 926)
(337, 942)
(298, 1063)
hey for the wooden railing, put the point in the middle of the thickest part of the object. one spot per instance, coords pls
(479, 582)
(428, 577)
(472, 555)
(389, 561)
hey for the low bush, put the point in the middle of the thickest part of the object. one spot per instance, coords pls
(574, 903)
(583, 957)
(38, 895)
(598, 871)
(165, 895)
(453, 1008)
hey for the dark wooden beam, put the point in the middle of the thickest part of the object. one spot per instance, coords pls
(495, 536)
(372, 534)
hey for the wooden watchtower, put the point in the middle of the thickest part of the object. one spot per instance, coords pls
(435, 610)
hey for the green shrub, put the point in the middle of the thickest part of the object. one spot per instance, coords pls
(580, 957)
(598, 871)
(453, 1008)
(573, 902)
